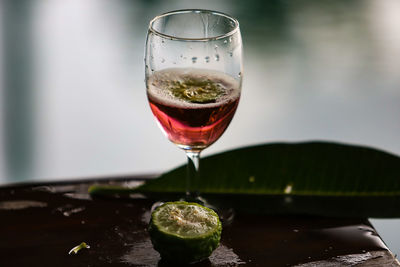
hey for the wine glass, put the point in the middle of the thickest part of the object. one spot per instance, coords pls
(193, 79)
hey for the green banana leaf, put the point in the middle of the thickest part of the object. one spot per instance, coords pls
(318, 178)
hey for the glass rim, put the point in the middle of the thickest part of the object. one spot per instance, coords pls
(202, 39)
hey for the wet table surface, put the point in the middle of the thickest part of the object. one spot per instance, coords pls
(41, 223)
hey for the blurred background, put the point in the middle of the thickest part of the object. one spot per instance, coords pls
(73, 102)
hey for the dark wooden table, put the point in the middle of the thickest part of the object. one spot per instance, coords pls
(40, 223)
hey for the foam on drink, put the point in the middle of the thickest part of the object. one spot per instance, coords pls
(160, 83)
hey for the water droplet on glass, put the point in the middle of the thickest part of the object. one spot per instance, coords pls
(174, 63)
(225, 41)
(207, 58)
(240, 74)
(230, 54)
(194, 59)
(162, 41)
(152, 69)
(181, 56)
(216, 48)
(230, 39)
(216, 57)
(295, 230)
(162, 60)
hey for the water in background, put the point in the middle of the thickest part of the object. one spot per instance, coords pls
(73, 100)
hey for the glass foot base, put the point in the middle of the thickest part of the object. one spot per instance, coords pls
(226, 215)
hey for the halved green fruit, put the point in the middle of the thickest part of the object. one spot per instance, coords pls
(184, 232)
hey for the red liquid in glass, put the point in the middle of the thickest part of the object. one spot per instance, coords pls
(195, 126)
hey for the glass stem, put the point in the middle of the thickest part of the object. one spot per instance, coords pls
(193, 175)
